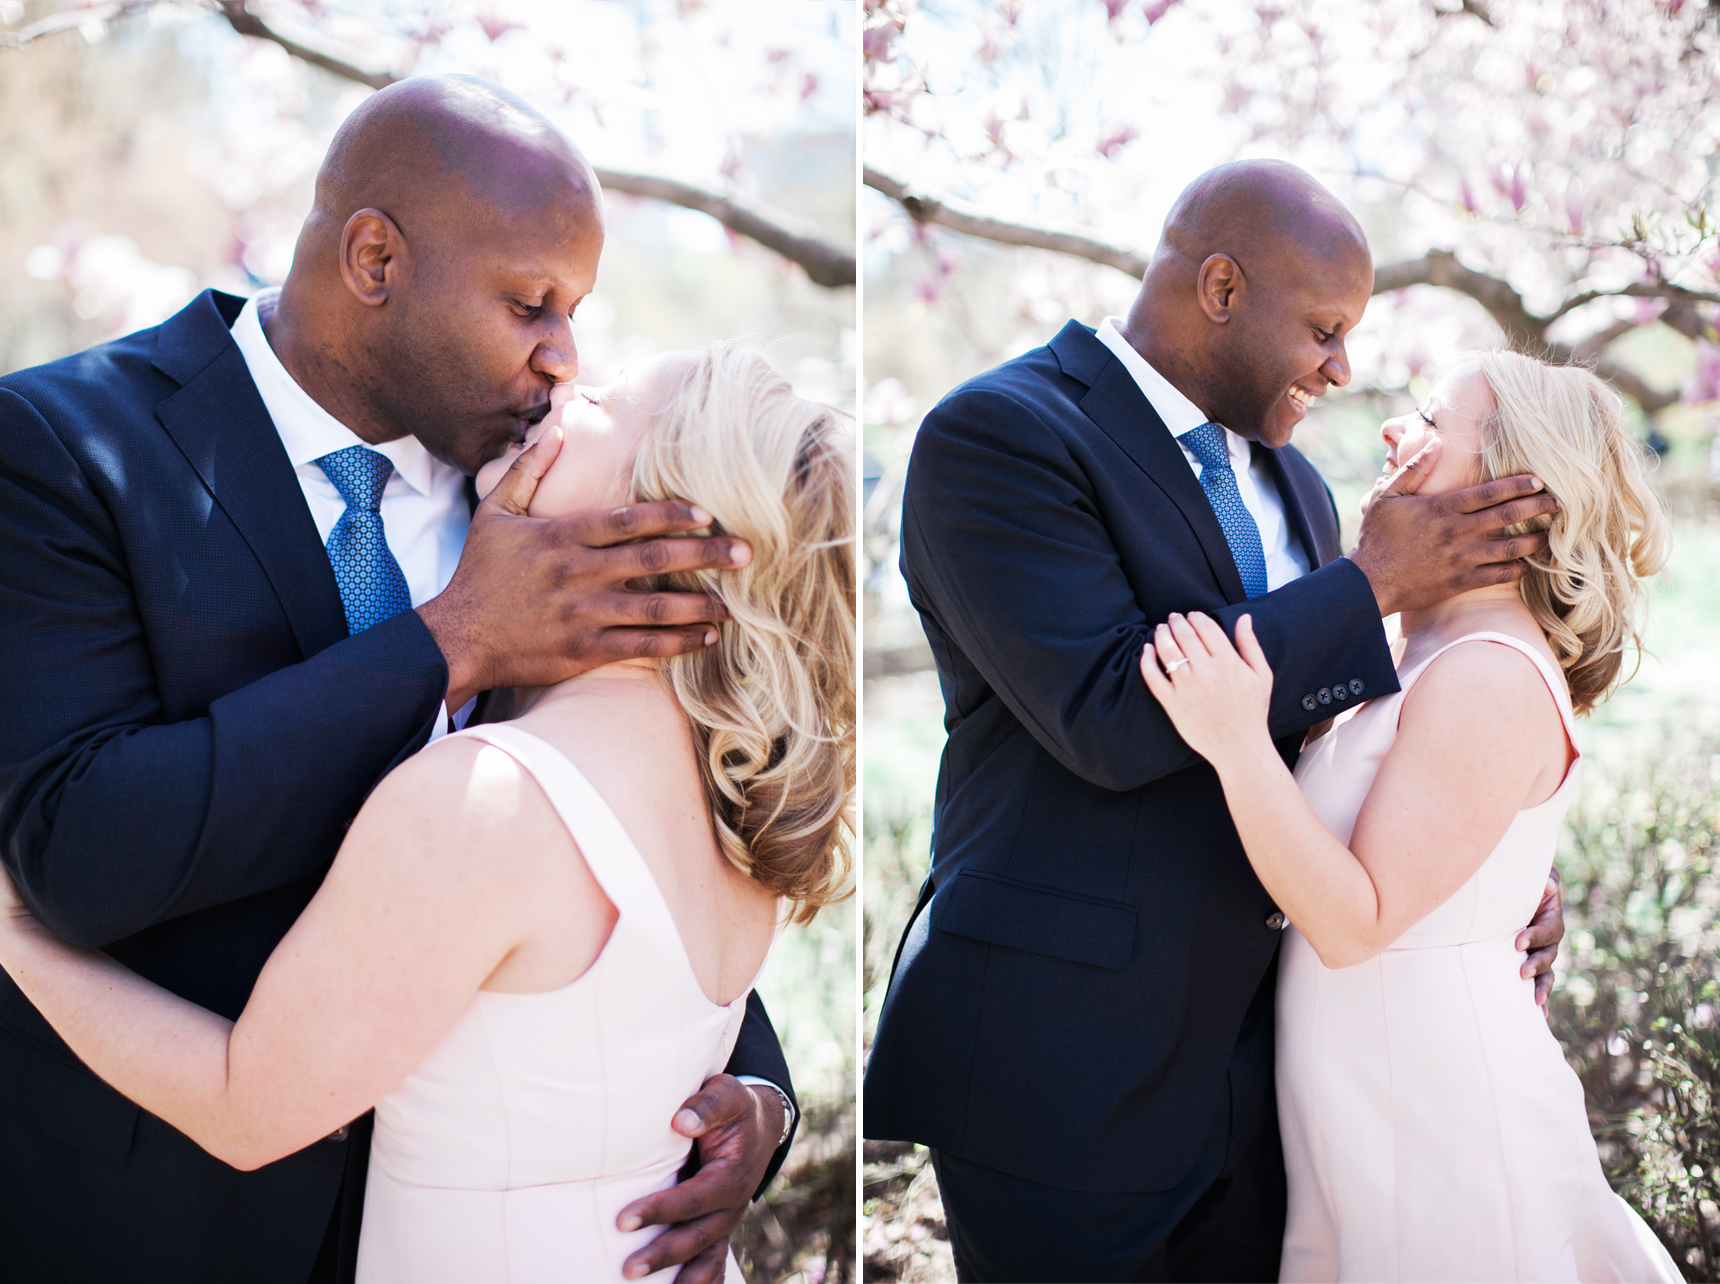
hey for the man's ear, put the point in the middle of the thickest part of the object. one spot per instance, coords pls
(373, 256)
(1220, 278)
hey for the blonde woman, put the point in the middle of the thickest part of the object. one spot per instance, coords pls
(1431, 1127)
(539, 937)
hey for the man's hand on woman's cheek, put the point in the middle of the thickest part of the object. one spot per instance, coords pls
(537, 601)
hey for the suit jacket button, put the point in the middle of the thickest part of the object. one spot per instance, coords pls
(1338, 692)
(1275, 920)
(1356, 686)
(341, 1133)
(1325, 695)
(1309, 703)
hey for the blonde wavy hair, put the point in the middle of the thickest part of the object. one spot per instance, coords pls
(1566, 426)
(773, 702)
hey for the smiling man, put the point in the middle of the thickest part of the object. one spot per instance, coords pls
(1080, 1020)
(242, 575)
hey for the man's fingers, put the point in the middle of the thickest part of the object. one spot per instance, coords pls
(651, 644)
(1540, 962)
(629, 608)
(635, 521)
(708, 1267)
(1517, 547)
(1543, 988)
(1500, 490)
(667, 556)
(1498, 517)
(513, 494)
(1408, 479)
(680, 1244)
(722, 1100)
(685, 1202)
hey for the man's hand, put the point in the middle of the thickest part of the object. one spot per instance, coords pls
(1541, 939)
(1419, 550)
(736, 1128)
(534, 602)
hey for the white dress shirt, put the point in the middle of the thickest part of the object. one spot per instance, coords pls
(424, 513)
(1286, 559)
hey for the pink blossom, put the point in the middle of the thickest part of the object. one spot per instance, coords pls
(1114, 138)
(495, 27)
(1574, 203)
(1157, 9)
(877, 41)
(1704, 383)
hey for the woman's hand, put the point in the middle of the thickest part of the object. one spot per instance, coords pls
(1217, 698)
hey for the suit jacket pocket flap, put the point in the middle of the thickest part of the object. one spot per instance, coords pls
(1039, 920)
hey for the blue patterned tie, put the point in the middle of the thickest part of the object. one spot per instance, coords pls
(1208, 445)
(371, 585)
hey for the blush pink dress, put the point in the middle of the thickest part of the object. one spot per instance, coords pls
(505, 1157)
(1432, 1129)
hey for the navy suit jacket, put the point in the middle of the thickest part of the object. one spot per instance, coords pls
(1066, 1000)
(188, 732)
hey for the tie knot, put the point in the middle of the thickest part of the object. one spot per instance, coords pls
(359, 474)
(1207, 444)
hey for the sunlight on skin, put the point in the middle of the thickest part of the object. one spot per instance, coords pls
(602, 429)
(1452, 415)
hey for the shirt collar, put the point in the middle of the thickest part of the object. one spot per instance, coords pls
(307, 430)
(1180, 415)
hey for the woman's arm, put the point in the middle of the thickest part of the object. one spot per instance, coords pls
(429, 894)
(1443, 797)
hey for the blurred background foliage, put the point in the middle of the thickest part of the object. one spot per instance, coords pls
(149, 150)
(1538, 173)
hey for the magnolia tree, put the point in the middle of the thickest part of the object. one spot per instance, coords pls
(1540, 172)
(684, 107)
(1552, 160)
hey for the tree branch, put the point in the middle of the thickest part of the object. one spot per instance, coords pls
(69, 20)
(1523, 329)
(247, 23)
(825, 264)
(1638, 290)
(960, 216)
(1441, 268)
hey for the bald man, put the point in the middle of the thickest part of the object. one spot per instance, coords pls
(242, 574)
(1080, 1018)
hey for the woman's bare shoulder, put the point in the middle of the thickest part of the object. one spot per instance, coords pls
(1483, 710)
(458, 799)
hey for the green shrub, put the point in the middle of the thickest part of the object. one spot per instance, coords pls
(1637, 1006)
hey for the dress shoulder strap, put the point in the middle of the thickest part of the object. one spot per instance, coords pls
(1550, 673)
(609, 852)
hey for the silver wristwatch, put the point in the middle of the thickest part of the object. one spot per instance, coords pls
(787, 1108)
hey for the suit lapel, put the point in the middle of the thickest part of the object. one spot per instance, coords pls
(217, 419)
(1114, 402)
(1307, 505)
